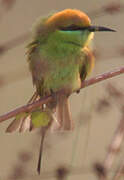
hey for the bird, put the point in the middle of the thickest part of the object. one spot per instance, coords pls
(59, 58)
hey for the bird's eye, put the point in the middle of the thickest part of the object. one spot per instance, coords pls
(71, 28)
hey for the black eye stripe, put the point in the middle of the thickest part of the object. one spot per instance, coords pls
(72, 28)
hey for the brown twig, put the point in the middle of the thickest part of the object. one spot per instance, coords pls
(32, 106)
(115, 145)
(120, 172)
(113, 150)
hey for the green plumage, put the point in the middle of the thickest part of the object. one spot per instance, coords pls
(55, 62)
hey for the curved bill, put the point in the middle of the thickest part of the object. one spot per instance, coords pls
(99, 28)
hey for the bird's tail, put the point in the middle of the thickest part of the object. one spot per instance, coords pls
(22, 122)
(63, 113)
(60, 115)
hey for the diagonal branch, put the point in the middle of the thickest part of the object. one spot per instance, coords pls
(32, 106)
(120, 172)
(113, 150)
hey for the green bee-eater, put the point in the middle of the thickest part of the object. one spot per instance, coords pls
(59, 59)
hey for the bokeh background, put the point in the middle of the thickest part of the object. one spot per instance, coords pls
(96, 111)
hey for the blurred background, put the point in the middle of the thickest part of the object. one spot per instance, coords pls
(96, 111)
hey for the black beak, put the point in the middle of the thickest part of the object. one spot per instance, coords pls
(89, 28)
(99, 28)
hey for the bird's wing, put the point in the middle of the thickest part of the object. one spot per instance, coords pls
(87, 62)
(37, 65)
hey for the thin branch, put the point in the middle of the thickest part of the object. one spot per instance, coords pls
(102, 77)
(32, 106)
(120, 172)
(113, 150)
(114, 147)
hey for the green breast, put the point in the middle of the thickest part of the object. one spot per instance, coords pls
(63, 77)
(62, 57)
(61, 53)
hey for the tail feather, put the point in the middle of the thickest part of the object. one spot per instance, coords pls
(15, 125)
(23, 123)
(64, 114)
(62, 120)
(67, 118)
(59, 111)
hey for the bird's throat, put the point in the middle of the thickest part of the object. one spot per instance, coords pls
(61, 49)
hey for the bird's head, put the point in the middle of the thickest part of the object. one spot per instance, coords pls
(70, 26)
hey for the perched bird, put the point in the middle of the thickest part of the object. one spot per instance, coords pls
(60, 59)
